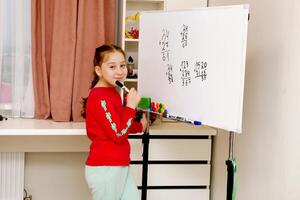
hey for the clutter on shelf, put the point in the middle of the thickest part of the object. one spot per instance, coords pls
(131, 26)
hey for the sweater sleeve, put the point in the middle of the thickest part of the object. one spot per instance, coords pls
(116, 125)
(136, 127)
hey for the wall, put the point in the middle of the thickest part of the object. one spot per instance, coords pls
(268, 150)
(58, 176)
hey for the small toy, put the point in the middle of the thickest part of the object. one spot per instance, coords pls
(133, 33)
(130, 66)
(131, 30)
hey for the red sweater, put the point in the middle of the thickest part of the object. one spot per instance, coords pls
(108, 124)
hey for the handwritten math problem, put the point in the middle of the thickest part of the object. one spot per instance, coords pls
(184, 35)
(164, 44)
(189, 70)
(165, 54)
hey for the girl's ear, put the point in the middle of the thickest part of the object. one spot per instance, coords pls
(98, 71)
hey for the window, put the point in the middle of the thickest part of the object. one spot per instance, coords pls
(16, 90)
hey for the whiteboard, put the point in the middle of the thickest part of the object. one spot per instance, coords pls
(194, 62)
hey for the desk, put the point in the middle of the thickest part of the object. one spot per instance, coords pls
(179, 154)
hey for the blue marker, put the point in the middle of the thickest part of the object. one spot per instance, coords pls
(197, 123)
(182, 119)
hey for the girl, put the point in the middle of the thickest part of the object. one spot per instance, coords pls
(108, 124)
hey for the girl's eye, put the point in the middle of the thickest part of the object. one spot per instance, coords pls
(123, 66)
(112, 66)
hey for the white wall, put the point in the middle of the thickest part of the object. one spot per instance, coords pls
(58, 176)
(268, 151)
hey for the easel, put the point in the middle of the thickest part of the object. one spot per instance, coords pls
(231, 169)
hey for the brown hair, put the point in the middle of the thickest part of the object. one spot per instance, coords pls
(100, 54)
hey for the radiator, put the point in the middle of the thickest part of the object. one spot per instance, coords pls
(11, 175)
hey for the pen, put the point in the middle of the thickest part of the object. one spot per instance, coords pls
(182, 119)
(122, 86)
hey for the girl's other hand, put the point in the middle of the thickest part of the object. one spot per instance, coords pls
(132, 99)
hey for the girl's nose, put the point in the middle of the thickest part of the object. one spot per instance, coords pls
(119, 70)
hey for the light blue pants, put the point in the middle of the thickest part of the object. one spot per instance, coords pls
(111, 183)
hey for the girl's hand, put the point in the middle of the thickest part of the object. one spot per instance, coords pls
(133, 98)
(144, 121)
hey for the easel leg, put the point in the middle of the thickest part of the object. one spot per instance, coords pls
(145, 160)
(231, 169)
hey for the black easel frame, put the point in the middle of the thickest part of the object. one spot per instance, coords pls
(230, 167)
(146, 138)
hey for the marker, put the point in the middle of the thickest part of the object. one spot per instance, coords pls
(122, 86)
(182, 119)
(197, 123)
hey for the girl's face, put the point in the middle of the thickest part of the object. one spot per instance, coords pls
(112, 69)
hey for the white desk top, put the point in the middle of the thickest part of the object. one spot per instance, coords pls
(36, 127)
(40, 127)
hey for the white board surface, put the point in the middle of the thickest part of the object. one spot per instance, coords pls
(194, 62)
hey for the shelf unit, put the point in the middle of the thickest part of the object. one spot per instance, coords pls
(130, 45)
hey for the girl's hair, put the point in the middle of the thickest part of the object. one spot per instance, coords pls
(101, 54)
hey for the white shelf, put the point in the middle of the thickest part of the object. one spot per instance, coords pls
(150, 1)
(131, 80)
(131, 40)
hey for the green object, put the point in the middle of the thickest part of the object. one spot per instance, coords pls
(234, 163)
(144, 103)
(231, 179)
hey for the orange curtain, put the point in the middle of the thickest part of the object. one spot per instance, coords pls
(65, 34)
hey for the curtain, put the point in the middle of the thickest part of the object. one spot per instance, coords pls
(16, 89)
(64, 37)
